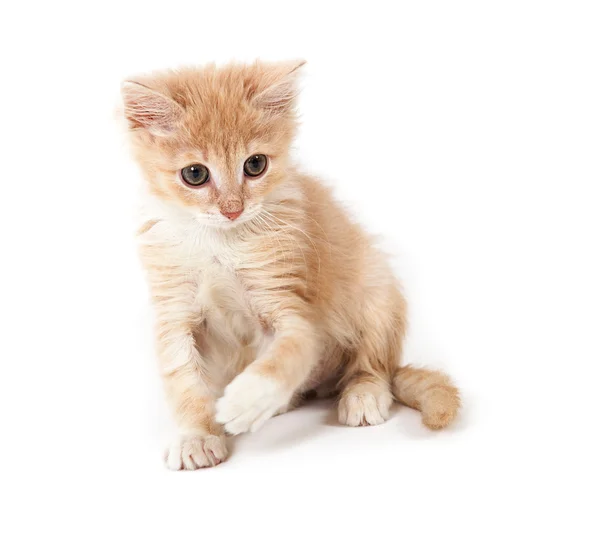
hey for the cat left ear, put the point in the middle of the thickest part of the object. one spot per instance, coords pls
(149, 109)
(281, 87)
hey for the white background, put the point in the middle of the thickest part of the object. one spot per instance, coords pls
(465, 133)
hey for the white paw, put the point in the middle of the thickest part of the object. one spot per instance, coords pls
(364, 408)
(196, 451)
(249, 401)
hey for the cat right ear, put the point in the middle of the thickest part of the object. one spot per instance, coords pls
(281, 86)
(148, 109)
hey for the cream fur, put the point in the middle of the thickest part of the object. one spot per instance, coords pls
(290, 297)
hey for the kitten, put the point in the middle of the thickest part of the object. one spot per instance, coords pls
(263, 288)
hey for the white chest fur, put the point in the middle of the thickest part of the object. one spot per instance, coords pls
(208, 259)
(225, 305)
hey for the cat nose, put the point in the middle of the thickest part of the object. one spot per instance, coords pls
(232, 215)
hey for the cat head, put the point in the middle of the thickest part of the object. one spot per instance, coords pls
(214, 141)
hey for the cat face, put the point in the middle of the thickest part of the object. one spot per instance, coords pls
(214, 142)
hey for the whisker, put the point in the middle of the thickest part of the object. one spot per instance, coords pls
(301, 231)
(273, 233)
(292, 238)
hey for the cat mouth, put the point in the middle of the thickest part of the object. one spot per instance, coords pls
(219, 221)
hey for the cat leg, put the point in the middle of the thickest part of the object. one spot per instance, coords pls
(201, 441)
(189, 390)
(190, 393)
(366, 395)
(267, 386)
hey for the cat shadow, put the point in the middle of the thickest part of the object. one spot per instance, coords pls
(317, 418)
(293, 428)
(406, 421)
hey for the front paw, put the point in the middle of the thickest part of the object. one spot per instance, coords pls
(249, 401)
(196, 451)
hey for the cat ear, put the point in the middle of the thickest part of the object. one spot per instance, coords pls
(280, 87)
(150, 109)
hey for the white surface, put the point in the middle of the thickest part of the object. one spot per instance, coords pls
(466, 133)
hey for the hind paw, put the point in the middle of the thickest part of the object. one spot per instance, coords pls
(364, 408)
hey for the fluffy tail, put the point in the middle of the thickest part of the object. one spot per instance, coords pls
(429, 391)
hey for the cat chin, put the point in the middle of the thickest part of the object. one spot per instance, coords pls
(215, 223)
(224, 224)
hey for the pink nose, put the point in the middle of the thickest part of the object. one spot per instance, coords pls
(232, 215)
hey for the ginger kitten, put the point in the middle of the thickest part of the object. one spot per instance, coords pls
(263, 288)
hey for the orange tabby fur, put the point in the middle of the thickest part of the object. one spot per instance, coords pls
(290, 297)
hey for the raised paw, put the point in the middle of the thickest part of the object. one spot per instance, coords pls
(196, 451)
(249, 401)
(363, 408)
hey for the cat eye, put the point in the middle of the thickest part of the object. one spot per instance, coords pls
(255, 165)
(195, 175)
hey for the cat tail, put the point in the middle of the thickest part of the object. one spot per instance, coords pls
(430, 391)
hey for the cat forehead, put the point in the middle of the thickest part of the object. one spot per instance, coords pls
(223, 126)
(221, 121)
(229, 137)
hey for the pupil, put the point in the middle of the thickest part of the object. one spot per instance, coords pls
(195, 172)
